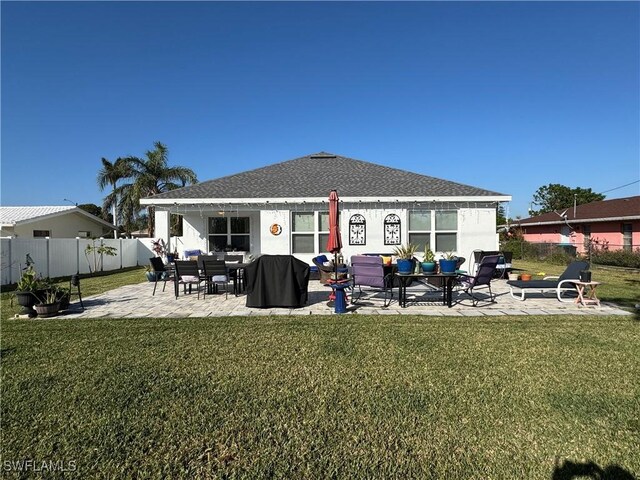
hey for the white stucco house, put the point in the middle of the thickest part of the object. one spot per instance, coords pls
(283, 209)
(52, 222)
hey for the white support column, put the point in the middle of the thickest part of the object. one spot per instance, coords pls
(163, 228)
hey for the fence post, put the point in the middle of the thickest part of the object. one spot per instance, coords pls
(77, 255)
(101, 256)
(10, 260)
(48, 257)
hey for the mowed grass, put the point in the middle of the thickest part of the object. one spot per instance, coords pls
(323, 397)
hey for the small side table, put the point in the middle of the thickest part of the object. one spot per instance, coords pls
(340, 302)
(587, 293)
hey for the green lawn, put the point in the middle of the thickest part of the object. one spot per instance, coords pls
(323, 397)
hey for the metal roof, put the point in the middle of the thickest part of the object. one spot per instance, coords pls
(13, 215)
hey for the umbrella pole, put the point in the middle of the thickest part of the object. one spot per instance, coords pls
(335, 266)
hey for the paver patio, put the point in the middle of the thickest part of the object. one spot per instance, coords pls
(136, 301)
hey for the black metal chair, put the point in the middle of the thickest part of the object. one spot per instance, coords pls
(187, 273)
(236, 274)
(161, 273)
(215, 274)
(74, 281)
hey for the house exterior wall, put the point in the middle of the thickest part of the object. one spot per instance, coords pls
(61, 226)
(609, 233)
(476, 230)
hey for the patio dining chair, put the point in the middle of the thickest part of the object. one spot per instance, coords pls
(236, 274)
(161, 273)
(215, 274)
(187, 273)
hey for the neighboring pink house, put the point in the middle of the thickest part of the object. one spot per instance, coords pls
(612, 222)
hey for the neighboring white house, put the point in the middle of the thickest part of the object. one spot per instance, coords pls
(283, 209)
(51, 221)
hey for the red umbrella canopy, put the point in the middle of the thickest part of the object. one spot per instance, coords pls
(334, 243)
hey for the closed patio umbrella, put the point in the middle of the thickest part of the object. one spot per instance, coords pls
(334, 243)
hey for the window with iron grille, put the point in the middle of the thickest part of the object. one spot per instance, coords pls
(392, 229)
(357, 230)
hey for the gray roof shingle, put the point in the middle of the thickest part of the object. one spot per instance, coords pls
(310, 177)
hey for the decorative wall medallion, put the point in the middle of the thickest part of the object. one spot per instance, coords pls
(275, 229)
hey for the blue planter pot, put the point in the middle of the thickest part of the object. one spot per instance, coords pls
(448, 266)
(151, 276)
(405, 266)
(428, 267)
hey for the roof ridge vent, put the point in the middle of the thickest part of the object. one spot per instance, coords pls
(323, 155)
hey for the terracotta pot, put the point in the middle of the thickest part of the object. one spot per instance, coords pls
(525, 277)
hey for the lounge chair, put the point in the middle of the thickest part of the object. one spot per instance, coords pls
(558, 284)
(484, 275)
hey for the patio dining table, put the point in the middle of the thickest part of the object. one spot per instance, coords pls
(405, 279)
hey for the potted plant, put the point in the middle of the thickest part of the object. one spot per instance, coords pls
(159, 248)
(63, 295)
(428, 260)
(172, 257)
(405, 255)
(28, 290)
(152, 275)
(448, 262)
(49, 305)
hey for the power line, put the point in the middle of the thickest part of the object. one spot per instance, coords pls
(621, 186)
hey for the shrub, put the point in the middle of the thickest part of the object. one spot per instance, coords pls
(617, 258)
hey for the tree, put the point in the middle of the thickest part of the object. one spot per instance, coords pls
(91, 208)
(149, 176)
(501, 218)
(96, 252)
(554, 197)
(109, 175)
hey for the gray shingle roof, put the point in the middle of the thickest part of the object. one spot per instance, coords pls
(310, 176)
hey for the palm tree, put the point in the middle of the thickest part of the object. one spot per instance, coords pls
(152, 175)
(109, 175)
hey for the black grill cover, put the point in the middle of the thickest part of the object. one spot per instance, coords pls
(277, 281)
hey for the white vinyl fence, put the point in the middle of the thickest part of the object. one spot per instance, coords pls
(57, 257)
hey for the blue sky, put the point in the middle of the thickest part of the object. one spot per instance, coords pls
(507, 96)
